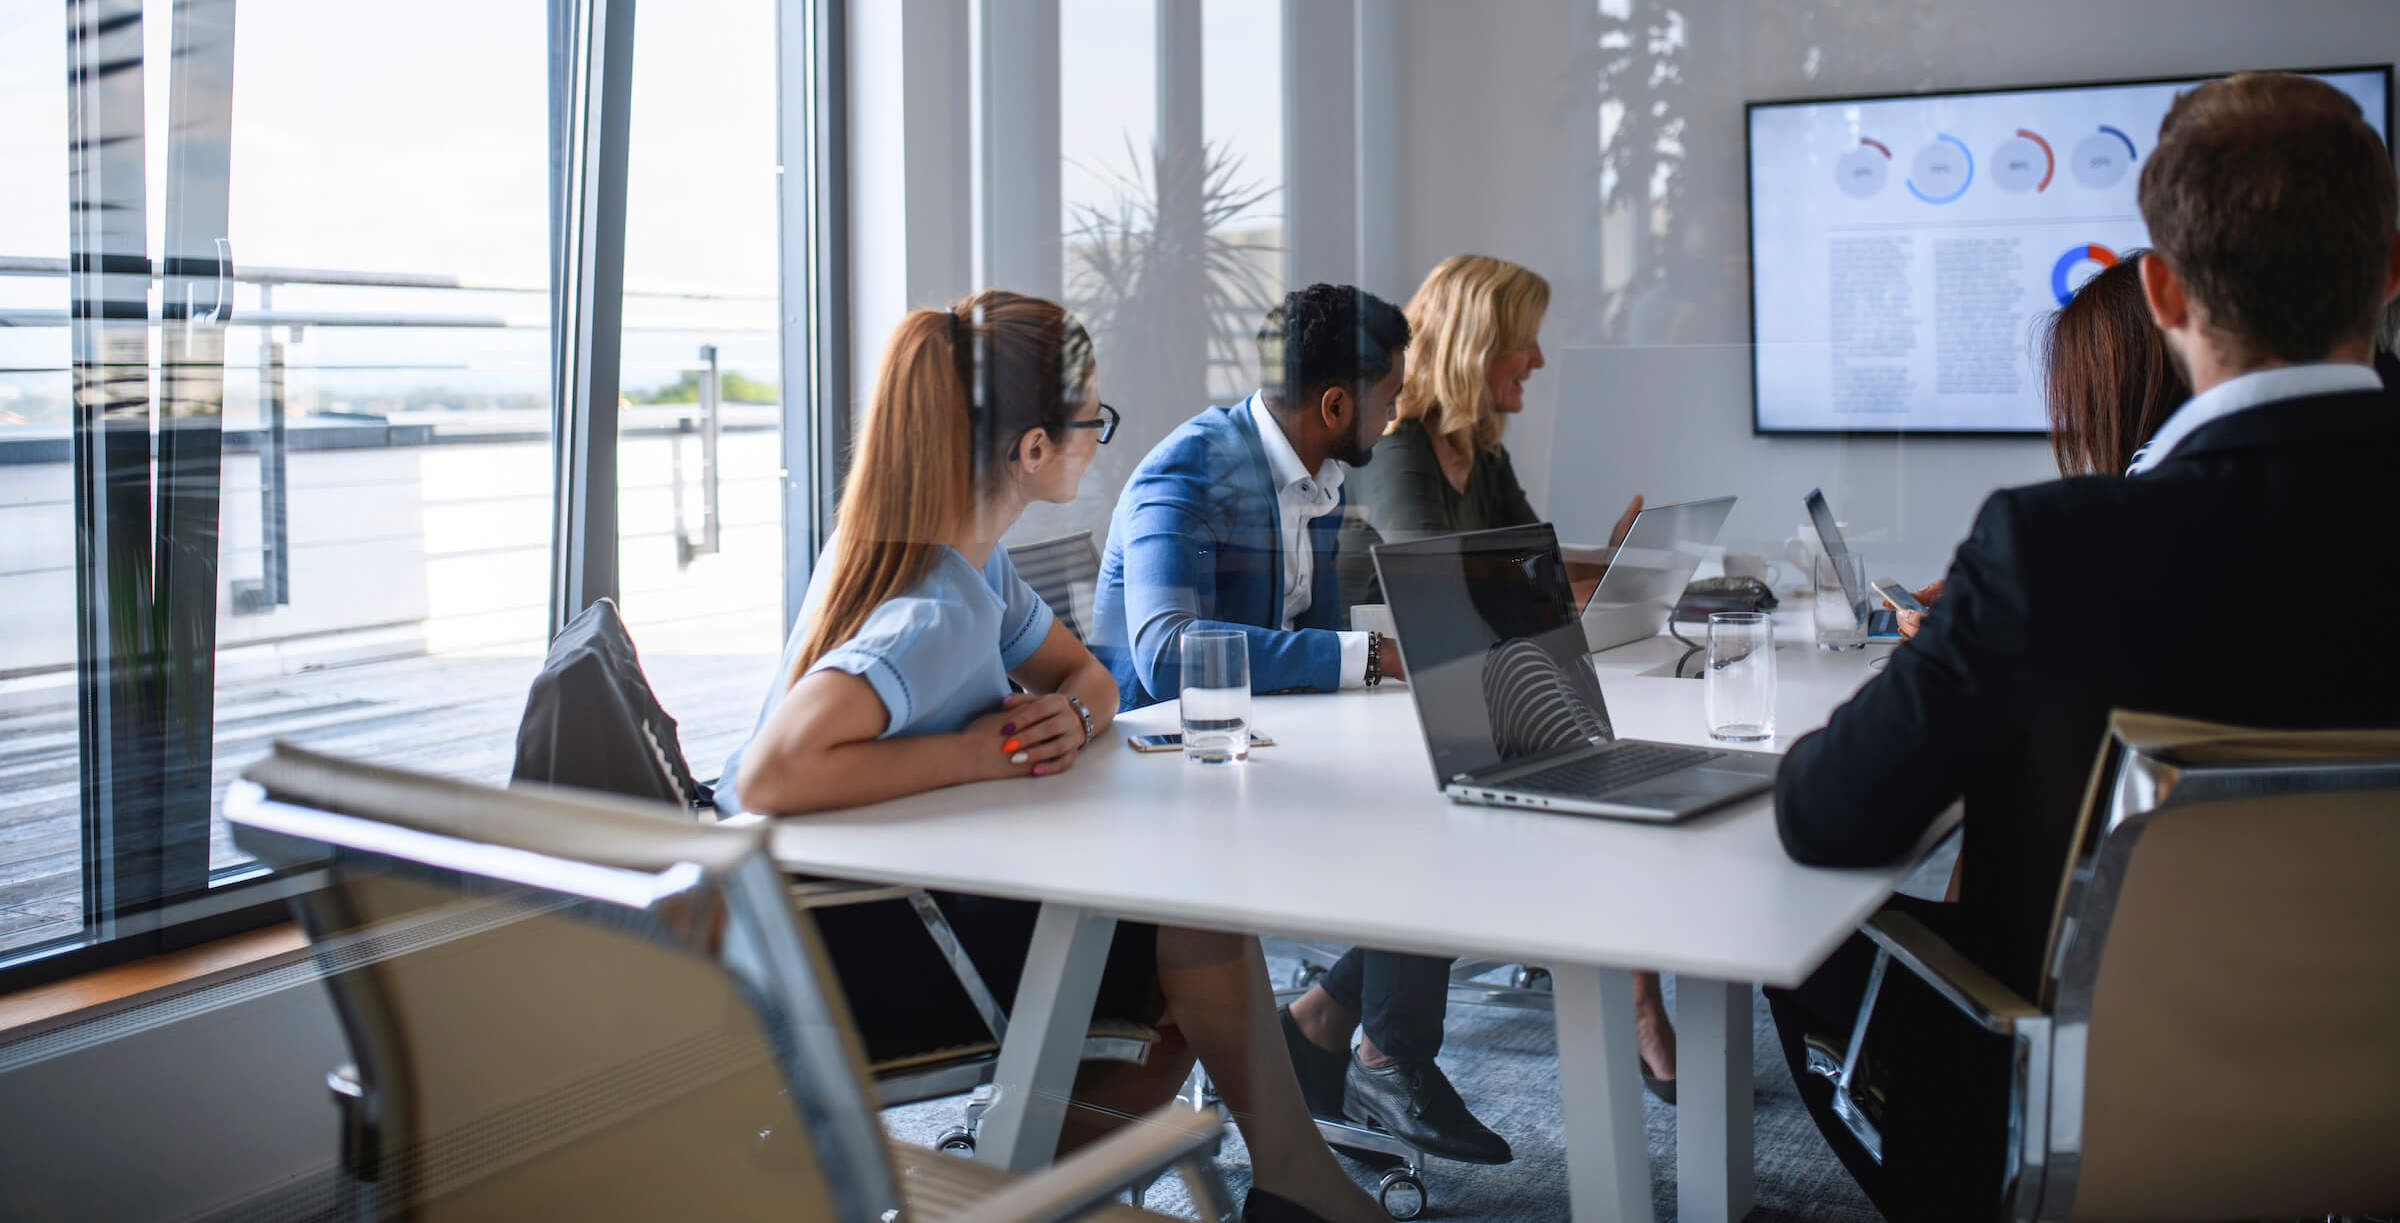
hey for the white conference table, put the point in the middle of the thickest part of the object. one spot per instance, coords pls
(1263, 846)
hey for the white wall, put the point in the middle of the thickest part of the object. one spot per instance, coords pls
(1648, 386)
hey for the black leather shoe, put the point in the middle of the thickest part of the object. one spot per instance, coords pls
(1260, 1206)
(1320, 1070)
(1414, 1100)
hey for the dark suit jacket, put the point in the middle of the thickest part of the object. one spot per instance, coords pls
(2196, 589)
(1197, 542)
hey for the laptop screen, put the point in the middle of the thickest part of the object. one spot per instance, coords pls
(1829, 533)
(1494, 647)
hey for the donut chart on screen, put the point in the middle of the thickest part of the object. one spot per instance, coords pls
(2102, 158)
(1940, 175)
(2075, 257)
(1861, 172)
(2023, 162)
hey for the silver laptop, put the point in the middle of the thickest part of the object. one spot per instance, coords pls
(1647, 573)
(1510, 705)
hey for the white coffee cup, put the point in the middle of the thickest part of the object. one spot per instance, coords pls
(1752, 565)
(1804, 547)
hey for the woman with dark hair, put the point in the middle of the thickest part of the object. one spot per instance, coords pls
(2109, 380)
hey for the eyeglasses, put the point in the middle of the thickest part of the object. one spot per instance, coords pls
(1105, 422)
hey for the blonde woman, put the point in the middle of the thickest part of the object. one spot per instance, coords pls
(1474, 338)
(896, 680)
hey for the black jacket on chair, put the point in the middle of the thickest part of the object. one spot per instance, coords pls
(2225, 584)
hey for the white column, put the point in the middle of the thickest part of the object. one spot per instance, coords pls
(911, 244)
(1377, 169)
(1021, 220)
(1320, 142)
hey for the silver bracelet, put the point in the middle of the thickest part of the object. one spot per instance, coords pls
(1084, 713)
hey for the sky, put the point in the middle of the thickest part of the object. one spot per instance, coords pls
(412, 138)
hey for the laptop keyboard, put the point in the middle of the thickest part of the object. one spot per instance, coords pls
(1611, 769)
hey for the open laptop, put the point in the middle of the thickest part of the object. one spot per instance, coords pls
(1510, 706)
(1882, 623)
(1649, 570)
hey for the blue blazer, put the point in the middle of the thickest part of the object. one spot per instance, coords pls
(1196, 542)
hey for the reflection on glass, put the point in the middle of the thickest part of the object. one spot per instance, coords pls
(699, 450)
(383, 567)
(41, 846)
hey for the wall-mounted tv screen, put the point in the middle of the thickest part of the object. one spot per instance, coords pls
(1902, 248)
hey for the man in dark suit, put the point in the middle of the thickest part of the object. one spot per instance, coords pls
(2174, 589)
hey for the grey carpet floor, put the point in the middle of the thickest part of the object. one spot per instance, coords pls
(1505, 1063)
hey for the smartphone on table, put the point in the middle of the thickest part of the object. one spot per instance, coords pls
(1174, 742)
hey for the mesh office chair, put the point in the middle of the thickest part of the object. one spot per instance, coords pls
(1066, 572)
(619, 1018)
(592, 722)
(2218, 1034)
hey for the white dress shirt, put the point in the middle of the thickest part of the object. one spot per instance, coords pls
(1300, 499)
(2246, 391)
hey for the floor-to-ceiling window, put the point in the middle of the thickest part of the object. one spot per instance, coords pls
(279, 404)
(700, 543)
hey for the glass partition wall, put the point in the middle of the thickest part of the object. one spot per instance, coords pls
(285, 289)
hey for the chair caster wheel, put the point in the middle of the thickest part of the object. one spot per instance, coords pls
(956, 1142)
(1403, 1196)
(1529, 977)
(1307, 974)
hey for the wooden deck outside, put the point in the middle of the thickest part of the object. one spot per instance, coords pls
(455, 715)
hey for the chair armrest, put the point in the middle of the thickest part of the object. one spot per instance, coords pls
(1092, 1176)
(1960, 981)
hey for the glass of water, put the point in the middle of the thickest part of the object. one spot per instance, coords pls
(1841, 624)
(1741, 677)
(1216, 696)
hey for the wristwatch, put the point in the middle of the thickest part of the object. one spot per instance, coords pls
(1374, 659)
(1086, 715)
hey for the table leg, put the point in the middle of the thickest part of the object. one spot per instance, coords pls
(1046, 1029)
(1600, 1083)
(1716, 1169)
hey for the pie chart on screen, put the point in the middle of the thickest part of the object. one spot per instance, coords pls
(2087, 260)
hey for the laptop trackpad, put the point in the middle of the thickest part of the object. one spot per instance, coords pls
(1690, 790)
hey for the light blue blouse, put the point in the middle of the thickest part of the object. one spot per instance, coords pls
(938, 654)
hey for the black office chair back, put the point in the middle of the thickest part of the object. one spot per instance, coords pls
(592, 722)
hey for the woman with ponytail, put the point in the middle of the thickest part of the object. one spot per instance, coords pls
(896, 680)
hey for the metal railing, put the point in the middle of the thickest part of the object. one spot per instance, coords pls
(278, 329)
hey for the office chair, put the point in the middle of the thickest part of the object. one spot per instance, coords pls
(1066, 572)
(2215, 1035)
(614, 1016)
(592, 722)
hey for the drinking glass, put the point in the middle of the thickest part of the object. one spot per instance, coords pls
(1841, 624)
(1216, 696)
(1741, 677)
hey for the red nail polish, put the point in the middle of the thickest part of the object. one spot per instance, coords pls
(1011, 745)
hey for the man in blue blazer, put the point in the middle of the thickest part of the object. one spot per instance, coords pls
(1231, 522)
